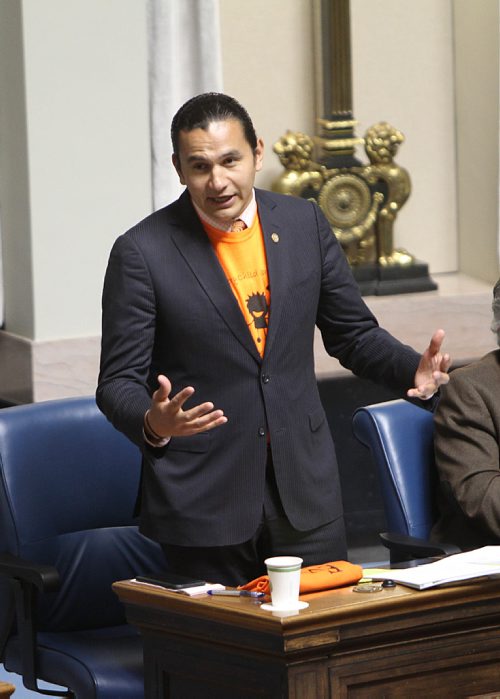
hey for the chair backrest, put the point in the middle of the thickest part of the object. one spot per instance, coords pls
(68, 483)
(400, 437)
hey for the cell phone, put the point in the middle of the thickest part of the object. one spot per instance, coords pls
(171, 581)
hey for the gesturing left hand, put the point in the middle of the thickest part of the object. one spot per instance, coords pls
(432, 372)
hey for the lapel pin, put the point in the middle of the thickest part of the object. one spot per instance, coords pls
(275, 237)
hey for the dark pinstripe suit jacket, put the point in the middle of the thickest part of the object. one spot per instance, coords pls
(167, 307)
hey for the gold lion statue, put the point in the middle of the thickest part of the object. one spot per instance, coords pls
(381, 145)
(295, 151)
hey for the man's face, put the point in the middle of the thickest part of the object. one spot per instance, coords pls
(218, 167)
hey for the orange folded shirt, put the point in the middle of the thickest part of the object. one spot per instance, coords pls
(325, 576)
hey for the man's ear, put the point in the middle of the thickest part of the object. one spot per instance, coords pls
(176, 163)
(259, 154)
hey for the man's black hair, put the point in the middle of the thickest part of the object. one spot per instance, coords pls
(200, 111)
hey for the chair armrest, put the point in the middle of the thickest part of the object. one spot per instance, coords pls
(26, 580)
(404, 547)
(45, 578)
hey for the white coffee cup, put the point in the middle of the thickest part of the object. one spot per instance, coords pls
(284, 580)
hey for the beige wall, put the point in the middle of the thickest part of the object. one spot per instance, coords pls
(403, 74)
(272, 74)
(476, 30)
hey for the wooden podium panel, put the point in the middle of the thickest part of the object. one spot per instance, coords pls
(394, 643)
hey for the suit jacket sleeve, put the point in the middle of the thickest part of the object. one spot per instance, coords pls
(467, 427)
(349, 330)
(128, 331)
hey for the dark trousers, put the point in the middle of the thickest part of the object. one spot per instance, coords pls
(275, 536)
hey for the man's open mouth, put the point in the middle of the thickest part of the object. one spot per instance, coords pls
(222, 200)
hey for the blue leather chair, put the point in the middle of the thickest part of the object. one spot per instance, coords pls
(68, 483)
(400, 436)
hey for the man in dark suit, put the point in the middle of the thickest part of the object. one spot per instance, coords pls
(245, 468)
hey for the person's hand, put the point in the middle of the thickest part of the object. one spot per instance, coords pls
(432, 372)
(167, 418)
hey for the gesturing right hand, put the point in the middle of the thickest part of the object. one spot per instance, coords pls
(167, 418)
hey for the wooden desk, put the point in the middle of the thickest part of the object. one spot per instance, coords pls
(6, 690)
(394, 643)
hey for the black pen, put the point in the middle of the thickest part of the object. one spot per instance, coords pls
(236, 593)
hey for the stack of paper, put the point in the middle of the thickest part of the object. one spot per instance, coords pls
(479, 563)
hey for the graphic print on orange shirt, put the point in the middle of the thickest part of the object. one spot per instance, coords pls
(242, 256)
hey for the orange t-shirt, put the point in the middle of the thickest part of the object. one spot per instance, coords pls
(243, 258)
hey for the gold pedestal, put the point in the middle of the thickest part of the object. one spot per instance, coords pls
(360, 201)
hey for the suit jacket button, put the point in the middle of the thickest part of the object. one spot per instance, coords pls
(265, 378)
(262, 432)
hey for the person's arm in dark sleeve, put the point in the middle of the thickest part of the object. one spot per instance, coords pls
(467, 451)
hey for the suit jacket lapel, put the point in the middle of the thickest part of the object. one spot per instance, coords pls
(194, 245)
(276, 261)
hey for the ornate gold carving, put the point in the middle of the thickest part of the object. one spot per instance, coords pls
(294, 150)
(352, 211)
(328, 124)
(345, 200)
(360, 202)
(338, 144)
(381, 145)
